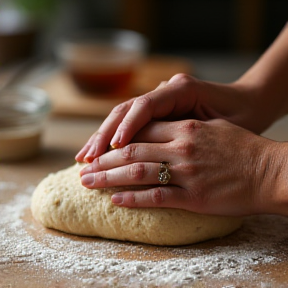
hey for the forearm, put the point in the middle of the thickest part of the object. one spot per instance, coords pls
(255, 100)
(266, 82)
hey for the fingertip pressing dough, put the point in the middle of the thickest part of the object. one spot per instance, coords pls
(62, 203)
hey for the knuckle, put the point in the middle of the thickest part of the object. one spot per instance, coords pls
(220, 122)
(182, 78)
(157, 195)
(130, 199)
(128, 152)
(136, 171)
(102, 178)
(184, 148)
(190, 126)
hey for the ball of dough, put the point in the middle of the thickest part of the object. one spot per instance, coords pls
(62, 203)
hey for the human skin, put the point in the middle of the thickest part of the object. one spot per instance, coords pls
(216, 167)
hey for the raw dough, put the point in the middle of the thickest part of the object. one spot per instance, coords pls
(62, 203)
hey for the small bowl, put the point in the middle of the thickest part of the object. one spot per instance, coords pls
(103, 61)
(23, 111)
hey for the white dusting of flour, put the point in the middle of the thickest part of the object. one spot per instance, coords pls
(101, 263)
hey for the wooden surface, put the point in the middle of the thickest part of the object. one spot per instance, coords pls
(63, 138)
(67, 99)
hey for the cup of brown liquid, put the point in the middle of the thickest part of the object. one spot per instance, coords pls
(103, 61)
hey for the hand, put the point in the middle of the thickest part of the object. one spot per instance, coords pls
(182, 97)
(254, 102)
(216, 168)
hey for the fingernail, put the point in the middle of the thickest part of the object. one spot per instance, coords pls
(115, 142)
(117, 198)
(115, 146)
(89, 157)
(88, 179)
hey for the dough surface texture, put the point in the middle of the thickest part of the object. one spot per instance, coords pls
(62, 203)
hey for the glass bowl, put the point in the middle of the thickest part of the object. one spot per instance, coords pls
(103, 61)
(23, 111)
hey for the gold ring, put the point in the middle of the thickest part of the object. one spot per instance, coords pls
(164, 175)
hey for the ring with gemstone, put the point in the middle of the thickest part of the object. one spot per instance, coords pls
(164, 175)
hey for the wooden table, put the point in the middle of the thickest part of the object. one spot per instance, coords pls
(63, 138)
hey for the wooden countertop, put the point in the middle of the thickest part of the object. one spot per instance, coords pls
(68, 99)
(266, 236)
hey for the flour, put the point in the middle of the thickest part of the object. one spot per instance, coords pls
(100, 263)
(7, 186)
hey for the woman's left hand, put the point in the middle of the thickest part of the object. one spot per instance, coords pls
(215, 167)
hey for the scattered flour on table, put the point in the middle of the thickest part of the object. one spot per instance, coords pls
(7, 186)
(99, 261)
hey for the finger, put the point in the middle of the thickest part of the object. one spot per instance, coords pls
(110, 124)
(170, 150)
(162, 196)
(162, 132)
(134, 174)
(99, 141)
(154, 105)
(156, 132)
(87, 149)
(176, 98)
(132, 153)
(81, 154)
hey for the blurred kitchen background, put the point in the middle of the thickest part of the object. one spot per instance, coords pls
(203, 30)
(216, 40)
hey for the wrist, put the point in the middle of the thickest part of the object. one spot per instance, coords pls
(258, 114)
(237, 102)
(273, 192)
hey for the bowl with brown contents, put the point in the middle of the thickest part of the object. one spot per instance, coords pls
(102, 61)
